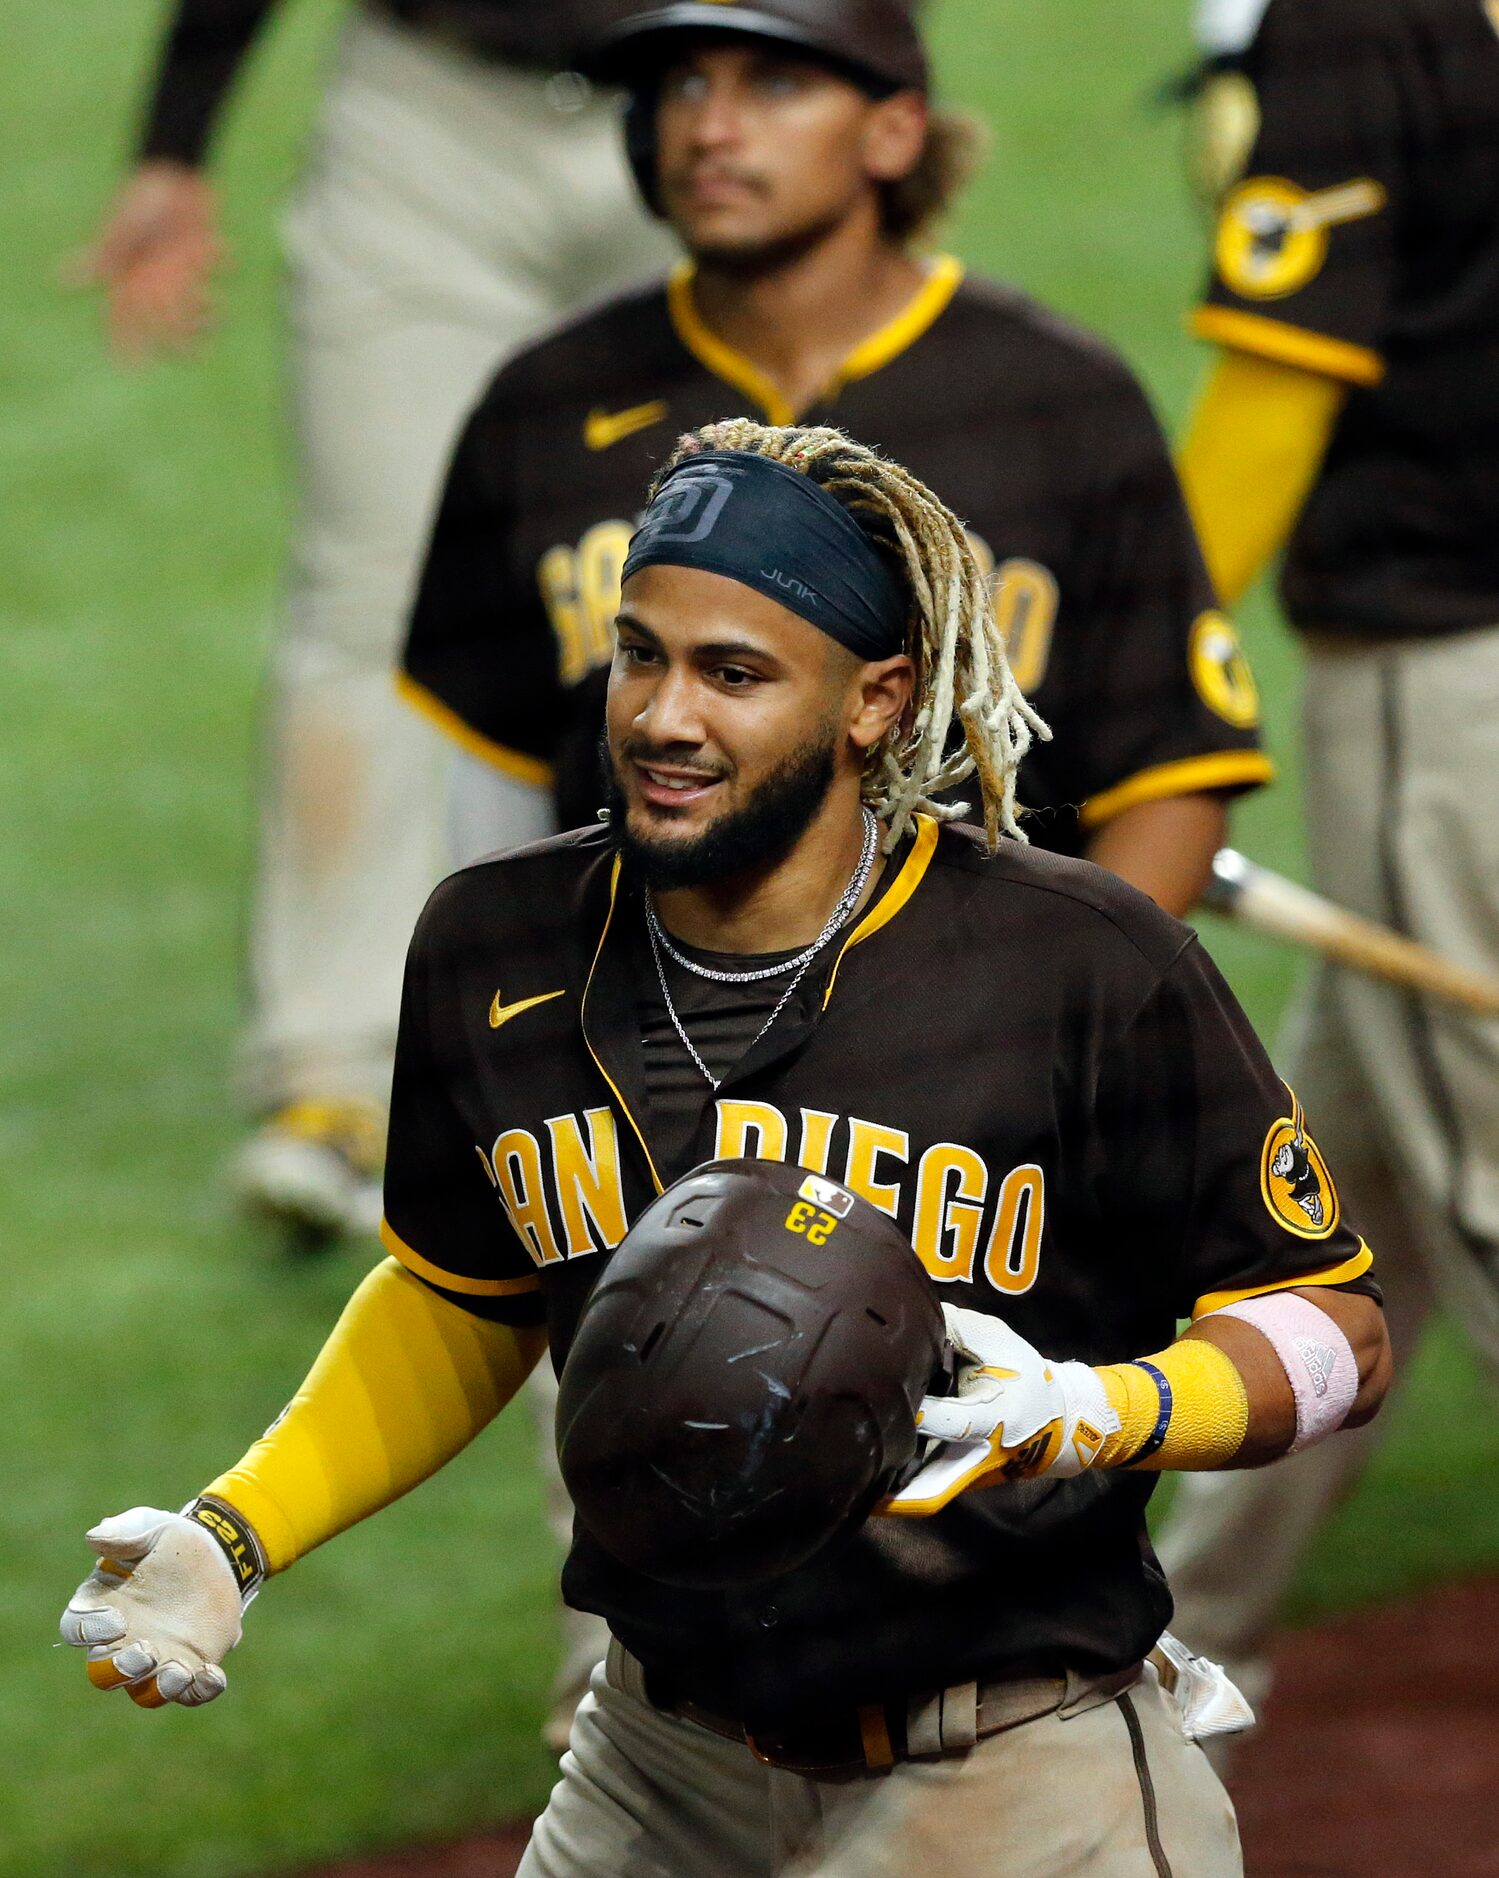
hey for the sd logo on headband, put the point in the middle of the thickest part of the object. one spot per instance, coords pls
(686, 508)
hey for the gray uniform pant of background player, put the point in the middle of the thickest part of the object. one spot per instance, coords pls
(1101, 1787)
(1402, 811)
(451, 209)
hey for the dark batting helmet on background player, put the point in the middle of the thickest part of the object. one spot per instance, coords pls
(796, 152)
(1077, 1144)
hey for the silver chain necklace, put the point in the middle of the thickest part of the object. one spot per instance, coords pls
(798, 966)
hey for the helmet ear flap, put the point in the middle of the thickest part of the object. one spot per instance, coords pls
(640, 145)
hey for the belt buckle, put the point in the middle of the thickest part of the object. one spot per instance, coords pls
(875, 1749)
(772, 1751)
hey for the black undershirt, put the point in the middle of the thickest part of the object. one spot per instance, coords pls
(723, 1020)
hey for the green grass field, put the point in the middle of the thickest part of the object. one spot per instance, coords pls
(391, 1687)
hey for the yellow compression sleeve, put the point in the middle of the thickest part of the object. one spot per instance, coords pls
(1254, 445)
(405, 1381)
(1197, 1421)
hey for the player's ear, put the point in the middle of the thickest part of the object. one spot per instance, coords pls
(882, 697)
(894, 136)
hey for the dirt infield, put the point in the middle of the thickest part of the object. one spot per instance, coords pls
(1378, 1756)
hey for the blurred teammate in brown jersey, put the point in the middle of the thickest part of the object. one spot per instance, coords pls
(1353, 414)
(794, 151)
(464, 189)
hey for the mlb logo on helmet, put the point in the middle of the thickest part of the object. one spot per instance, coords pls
(828, 1195)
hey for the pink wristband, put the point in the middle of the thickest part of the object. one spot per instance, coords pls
(1317, 1358)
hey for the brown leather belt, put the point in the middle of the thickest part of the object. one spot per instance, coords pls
(877, 1735)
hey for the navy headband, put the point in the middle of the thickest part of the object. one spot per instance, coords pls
(772, 528)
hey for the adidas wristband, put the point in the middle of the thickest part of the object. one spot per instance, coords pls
(1317, 1358)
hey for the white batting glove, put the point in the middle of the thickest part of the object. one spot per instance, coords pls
(1012, 1416)
(159, 1612)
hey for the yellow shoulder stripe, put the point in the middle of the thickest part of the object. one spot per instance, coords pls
(408, 1256)
(1220, 769)
(1286, 344)
(1329, 1275)
(516, 763)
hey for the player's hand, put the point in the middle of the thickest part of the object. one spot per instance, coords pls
(159, 1612)
(155, 258)
(1012, 1415)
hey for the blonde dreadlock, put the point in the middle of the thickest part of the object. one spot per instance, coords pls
(951, 636)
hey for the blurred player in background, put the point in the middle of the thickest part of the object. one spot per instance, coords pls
(792, 147)
(464, 188)
(1354, 411)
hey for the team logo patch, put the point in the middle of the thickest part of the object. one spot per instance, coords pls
(1294, 1179)
(1272, 234)
(1221, 672)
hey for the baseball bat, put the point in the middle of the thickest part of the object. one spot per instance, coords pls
(1270, 903)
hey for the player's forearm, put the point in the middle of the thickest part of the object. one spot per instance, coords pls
(205, 45)
(1222, 1395)
(1253, 448)
(406, 1380)
(1164, 848)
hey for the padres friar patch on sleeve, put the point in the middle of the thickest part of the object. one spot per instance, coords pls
(1221, 672)
(1294, 1179)
(1272, 234)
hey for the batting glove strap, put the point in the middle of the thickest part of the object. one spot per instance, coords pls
(236, 1539)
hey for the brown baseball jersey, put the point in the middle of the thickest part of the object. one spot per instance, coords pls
(1034, 433)
(1363, 243)
(1089, 1143)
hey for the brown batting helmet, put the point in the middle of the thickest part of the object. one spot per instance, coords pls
(745, 1377)
(873, 42)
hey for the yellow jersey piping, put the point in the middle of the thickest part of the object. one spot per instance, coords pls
(583, 1022)
(1329, 1275)
(868, 356)
(1287, 344)
(408, 1256)
(910, 877)
(906, 328)
(1224, 769)
(526, 769)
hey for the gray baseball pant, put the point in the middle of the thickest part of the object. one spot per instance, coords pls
(1101, 1788)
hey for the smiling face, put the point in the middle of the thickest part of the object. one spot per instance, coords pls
(760, 151)
(733, 725)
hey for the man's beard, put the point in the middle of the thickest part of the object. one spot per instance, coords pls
(760, 833)
(749, 257)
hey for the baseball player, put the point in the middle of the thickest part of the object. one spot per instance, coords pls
(1354, 409)
(779, 948)
(792, 147)
(464, 189)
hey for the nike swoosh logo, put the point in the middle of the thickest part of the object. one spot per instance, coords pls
(502, 1013)
(601, 429)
